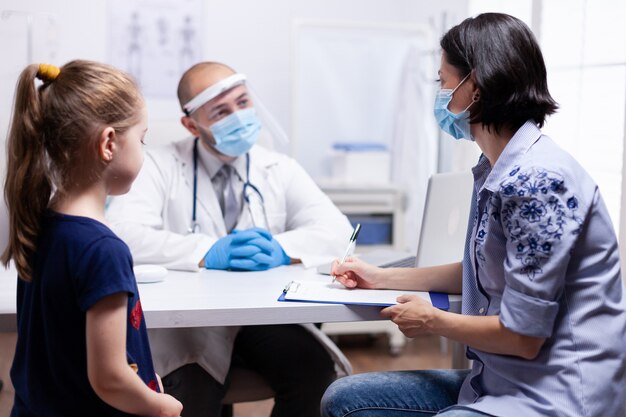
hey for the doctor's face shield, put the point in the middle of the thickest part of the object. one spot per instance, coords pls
(212, 92)
(230, 115)
(225, 116)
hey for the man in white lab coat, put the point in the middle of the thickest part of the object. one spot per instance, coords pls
(185, 211)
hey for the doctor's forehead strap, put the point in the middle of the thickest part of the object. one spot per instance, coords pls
(213, 91)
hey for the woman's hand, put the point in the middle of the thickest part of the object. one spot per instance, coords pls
(413, 315)
(355, 273)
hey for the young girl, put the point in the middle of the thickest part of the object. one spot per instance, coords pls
(82, 348)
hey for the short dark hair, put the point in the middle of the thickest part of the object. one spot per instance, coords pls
(508, 68)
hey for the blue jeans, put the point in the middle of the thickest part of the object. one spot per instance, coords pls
(397, 394)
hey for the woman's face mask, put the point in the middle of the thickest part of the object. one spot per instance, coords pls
(456, 125)
(237, 133)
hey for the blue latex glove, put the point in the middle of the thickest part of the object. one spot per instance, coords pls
(223, 252)
(259, 253)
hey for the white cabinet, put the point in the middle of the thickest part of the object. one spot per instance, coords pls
(366, 200)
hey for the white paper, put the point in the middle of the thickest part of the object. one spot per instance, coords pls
(328, 292)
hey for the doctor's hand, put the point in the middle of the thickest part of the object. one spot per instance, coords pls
(224, 251)
(413, 315)
(355, 273)
(252, 249)
(259, 254)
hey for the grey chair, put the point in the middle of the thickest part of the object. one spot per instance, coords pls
(245, 386)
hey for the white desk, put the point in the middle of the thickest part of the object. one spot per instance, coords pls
(220, 298)
(217, 298)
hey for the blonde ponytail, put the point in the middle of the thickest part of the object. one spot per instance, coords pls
(54, 125)
(27, 186)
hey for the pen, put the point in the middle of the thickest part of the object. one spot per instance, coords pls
(291, 287)
(351, 245)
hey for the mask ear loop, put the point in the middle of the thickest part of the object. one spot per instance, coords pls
(461, 83)
(475, 99)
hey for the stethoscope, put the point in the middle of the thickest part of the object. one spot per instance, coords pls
(249, 189)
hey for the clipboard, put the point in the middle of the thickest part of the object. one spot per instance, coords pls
(335, 293)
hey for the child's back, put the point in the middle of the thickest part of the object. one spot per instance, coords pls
(82, 346)
(78, 262)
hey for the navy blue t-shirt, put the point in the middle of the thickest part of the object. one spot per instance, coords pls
(78, 262)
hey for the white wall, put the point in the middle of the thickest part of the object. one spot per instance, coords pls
(259, 34)
(252, 36)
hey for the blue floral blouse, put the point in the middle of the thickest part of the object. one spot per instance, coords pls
(541, 253)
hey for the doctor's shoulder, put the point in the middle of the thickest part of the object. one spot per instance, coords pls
(165, 158)
(283, 169)
(264, 157)
(282, 165)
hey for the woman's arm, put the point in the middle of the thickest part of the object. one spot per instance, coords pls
(356, 273)
(415, 316)
(487, 333)
(113, 380)
(442, 278)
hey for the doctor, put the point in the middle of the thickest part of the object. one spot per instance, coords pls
(220, 201)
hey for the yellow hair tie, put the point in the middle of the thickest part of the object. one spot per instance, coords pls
(48, 72)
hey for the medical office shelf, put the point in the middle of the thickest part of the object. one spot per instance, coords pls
(371, 199)
(365, 199)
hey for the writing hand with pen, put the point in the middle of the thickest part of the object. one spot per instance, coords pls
(351, 246)
(356, 273)
(351, 271)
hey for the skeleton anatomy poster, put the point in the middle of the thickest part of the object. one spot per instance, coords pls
(155, 41)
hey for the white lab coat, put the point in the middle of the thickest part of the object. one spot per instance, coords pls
(155, 216)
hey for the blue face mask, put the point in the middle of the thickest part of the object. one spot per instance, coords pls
(456, 125)
(235, 134)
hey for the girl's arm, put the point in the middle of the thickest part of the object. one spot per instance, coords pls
(415, 316)
(113, 380)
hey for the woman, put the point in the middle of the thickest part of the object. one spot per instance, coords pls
(544, 315)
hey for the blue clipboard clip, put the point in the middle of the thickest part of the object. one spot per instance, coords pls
(440, 300)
